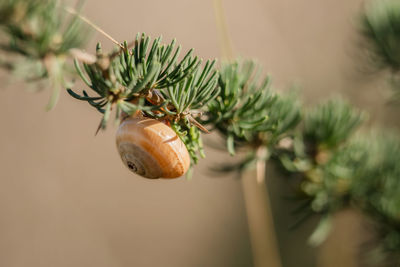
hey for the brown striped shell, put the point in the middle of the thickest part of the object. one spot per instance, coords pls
(151, 149)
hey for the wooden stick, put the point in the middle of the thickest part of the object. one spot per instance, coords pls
(256, 198)
(342, 247)
(259, 216)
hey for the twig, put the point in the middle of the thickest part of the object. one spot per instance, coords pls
(259, 216)
(223, 33)
(94, 26)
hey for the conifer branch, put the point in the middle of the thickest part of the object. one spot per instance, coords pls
(335, 164)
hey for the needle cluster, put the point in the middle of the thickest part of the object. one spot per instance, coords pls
(39, 36)
(150, 78)
(380, 27)
(248, 113)
(319, 158)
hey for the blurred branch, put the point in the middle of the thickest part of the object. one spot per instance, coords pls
(261, 226)
(225, 41)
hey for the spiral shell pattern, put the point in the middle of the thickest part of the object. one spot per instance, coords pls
(151, 149)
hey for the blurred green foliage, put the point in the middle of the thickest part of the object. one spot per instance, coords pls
(380, 27)
(39, 35)
(247, 112)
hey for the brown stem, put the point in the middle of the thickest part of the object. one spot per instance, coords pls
(94, 26)
(259, 215)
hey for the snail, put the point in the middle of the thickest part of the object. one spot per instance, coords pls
(150, 148)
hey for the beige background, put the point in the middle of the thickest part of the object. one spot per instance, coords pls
(67, 200)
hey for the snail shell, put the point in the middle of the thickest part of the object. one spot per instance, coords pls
(151, 149)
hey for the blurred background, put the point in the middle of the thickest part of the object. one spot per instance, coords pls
(67, 200)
